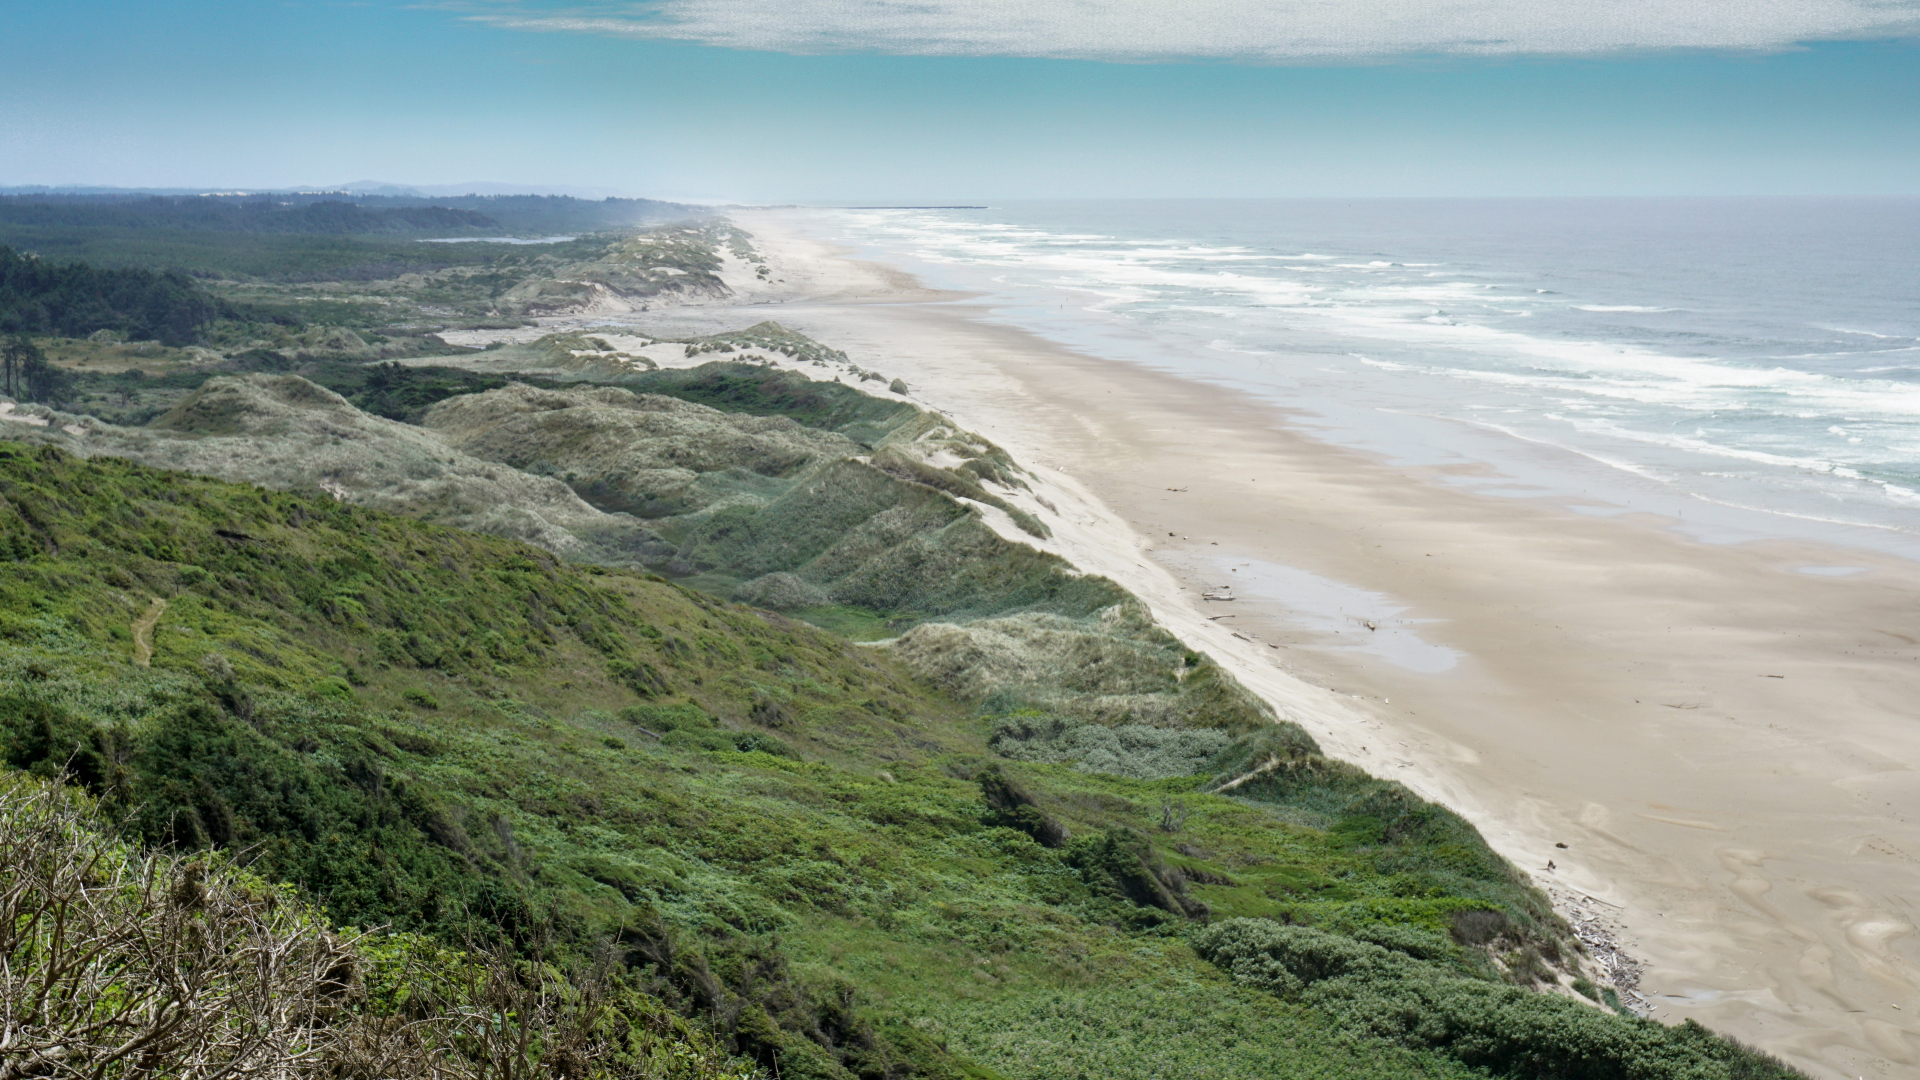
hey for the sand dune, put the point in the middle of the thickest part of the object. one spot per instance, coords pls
(1723, 740)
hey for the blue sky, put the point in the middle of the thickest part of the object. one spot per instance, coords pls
(948, 100)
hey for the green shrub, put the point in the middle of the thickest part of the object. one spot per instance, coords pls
(1015, 808)
(1411, 940)
(1145, 753)
(1259, 747)
(1502, 1029)
(108, 950)
(333, 687)
(1120, 863)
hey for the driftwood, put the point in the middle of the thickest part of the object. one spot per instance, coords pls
(1595, 930)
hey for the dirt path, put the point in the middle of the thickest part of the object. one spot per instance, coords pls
(143, 633)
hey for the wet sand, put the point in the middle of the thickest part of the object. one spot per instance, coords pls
(1723, 736)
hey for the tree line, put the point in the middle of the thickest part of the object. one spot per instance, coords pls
(333, 214)
(262, 215)
(75, 299)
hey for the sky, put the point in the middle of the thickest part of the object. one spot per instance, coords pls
(931, 101)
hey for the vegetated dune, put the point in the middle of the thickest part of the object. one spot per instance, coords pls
(570, 351)
(642, 454)
(806, 520)
(886, 541)
(588, 356)
(737, 818)
(282, 431)
(675, 263)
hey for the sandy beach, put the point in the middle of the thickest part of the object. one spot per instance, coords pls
(1713, 745)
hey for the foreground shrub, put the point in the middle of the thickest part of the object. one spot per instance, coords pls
(114, 964)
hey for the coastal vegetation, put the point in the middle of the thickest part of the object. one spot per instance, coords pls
(25, 370)
(577, 717)
(303, 237)
(772, 831)
(74, 300)
(248, 272)
(123, 963)
(340, 213)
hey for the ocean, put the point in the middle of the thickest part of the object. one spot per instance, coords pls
(1749, 367)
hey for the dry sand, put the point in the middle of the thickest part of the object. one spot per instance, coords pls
(1724, 742)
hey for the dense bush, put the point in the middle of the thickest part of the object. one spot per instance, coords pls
(1145, 753)
(1502, 1029)
(391, 390)
(116, 965)
(759, 391)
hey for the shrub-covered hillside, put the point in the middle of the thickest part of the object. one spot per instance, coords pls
(785, 838)
(123, 964)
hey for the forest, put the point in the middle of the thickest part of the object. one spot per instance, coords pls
(38, 296)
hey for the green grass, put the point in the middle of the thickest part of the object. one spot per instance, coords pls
(852, 623)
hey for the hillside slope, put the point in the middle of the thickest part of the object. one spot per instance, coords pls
(785, 836)
(886, 538)
(125, 964)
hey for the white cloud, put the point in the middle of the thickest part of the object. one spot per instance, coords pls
(1249, 30)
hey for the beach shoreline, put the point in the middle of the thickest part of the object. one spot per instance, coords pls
(1717, 733)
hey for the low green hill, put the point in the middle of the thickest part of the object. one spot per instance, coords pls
(787, 838)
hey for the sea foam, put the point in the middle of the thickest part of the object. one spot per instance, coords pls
(1666, 339)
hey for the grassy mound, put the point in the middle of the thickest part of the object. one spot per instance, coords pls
(644, 454)
(283, 431)
(678, 261)
(755, 506)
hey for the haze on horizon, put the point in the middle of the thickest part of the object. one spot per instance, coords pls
(872, 100)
